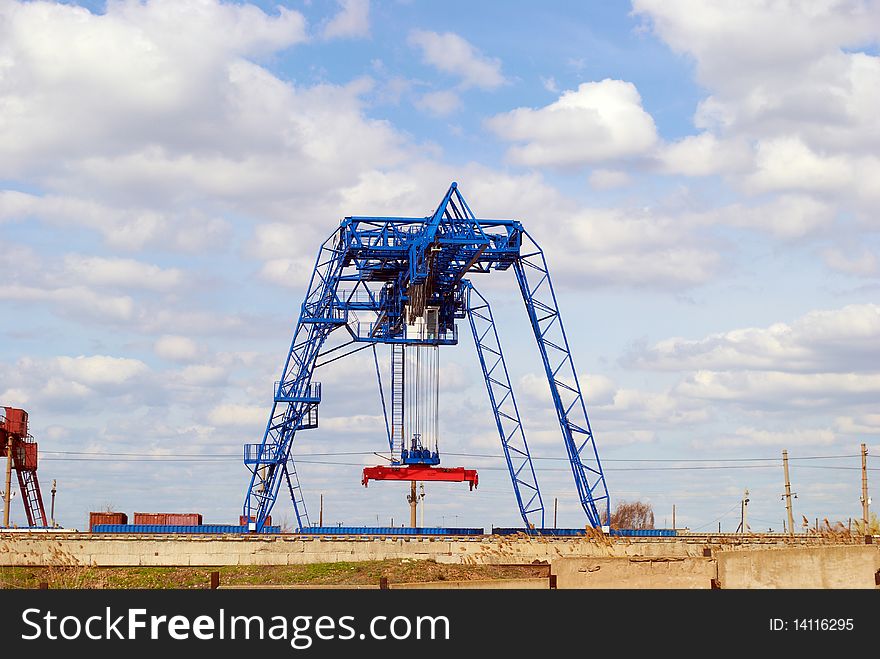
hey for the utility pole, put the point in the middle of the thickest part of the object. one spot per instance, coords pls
(865, 500)
(320, 512)
(413, 503)
(787, 495)
(673, 517)
(743, 523)
(52, 513)
(7, 497)
(555, 508)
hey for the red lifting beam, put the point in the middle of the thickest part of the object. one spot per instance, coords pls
(421, 473)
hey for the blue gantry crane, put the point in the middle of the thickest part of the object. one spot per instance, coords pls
(405, 281)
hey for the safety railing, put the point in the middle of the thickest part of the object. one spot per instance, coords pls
(369, 331)
(260, 453)
(312, 394)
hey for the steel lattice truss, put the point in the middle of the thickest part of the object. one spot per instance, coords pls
(390, 270)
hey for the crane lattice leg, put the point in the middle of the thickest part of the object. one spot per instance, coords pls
(546, 321)
(507, 420)
(296, 397)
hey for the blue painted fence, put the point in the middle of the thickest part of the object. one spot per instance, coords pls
(161, 528)
(640, 533)
(386, 530)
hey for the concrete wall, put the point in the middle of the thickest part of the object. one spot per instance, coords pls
(679, 573)
(801, 567)
(98, 550)
(299, 586)
(843, 566)
(577, 562)
(538, 583)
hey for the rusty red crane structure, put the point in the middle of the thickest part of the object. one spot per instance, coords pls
(20, 450)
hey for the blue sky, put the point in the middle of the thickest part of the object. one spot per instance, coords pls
(702, 176)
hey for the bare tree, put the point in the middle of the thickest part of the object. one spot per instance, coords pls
(632, 515)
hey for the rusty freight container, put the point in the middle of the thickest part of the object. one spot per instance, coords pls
(183, 519)
(106, 518)
(149, 518)
(168, 519)
(243, 520)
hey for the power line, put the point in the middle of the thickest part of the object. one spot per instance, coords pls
(304, 460)
(838, 467)
(805, 457)
(465, 455)
(719, 518)
(185, 455)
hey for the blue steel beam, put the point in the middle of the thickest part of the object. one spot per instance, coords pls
(503, 401)
(539, 297)
(382, 398)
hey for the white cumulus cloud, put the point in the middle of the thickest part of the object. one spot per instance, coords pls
(598, 121)
(78, 83)
(122, 226)
(705, 154)
(352, 21)
(176, 348)
(450, 53)
(122, 273)
(835, 340)
(748, 436)
(786, 163)
(861, 262)
(440, 103)
(797, 82)
(237, 415)
(786, 216)
(607, 179)
(100, 370)
(77, 302)
(774, 390)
